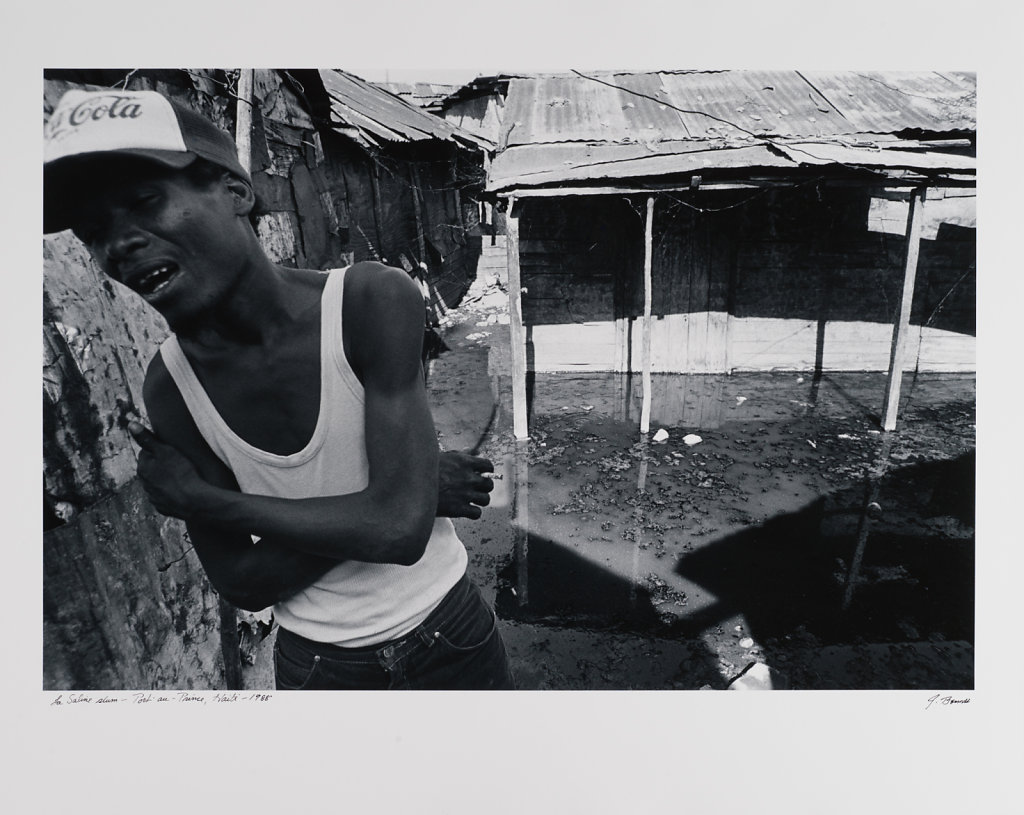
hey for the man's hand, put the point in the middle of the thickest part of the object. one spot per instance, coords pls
(462, 489)
(171, 481)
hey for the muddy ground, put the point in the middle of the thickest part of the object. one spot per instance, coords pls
(724, 556)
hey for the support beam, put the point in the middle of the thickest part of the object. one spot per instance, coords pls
(378, 208)
(621, 360)
(243, 117)
(897, 357)
(421, 241)
(645, 364)
(516, 331)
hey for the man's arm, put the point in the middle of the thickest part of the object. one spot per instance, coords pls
(390, 521)
(249, 576)
(252, 576)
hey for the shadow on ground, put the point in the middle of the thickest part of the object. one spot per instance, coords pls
(910, 603)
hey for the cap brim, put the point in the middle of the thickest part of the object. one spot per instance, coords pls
(64, 178)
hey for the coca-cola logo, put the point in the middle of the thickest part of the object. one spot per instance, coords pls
(94, 109)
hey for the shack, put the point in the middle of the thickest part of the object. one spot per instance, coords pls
(343, 171)
(722, 221)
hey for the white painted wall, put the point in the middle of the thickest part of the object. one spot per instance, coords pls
(714, 342)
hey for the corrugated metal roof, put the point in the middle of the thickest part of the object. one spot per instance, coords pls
(891, 101)
(576, 127)
(421, 94)
(378, 114)
(818, 153)
(765, 103)
(530, 166)
(672, 106)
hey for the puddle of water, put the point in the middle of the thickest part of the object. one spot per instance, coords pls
(759, 519)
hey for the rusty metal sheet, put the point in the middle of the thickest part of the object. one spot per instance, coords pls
(670, 106)
(667, 106)
(820, 153)
(617, 125)
(548, 109)
(533, 165)
(768, 103)
(891, 101)
(421, 94)
(382, 114)
(553, 164)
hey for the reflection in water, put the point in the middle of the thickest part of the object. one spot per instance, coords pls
(762, 519)
(521, 513)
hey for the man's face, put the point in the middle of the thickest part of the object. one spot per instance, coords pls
(174, 241)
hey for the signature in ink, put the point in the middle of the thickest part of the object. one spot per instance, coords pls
(943, 701)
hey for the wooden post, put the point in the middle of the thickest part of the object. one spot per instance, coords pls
(899, 334)
(243, 117)
(521, 511)
(378, 209)
(516, 330)
(645, 365)
(487, 209)
(421, 241)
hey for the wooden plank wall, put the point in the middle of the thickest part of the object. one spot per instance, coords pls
(573, 259)
(788, 279)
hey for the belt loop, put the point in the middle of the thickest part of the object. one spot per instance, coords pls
(425, 637)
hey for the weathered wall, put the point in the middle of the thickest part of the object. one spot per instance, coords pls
(126, 603)
(788, 279)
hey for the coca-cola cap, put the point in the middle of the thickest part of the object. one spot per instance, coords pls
(105, 123)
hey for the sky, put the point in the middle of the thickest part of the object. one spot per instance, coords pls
(437, 76)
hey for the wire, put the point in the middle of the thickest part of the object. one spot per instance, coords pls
(669, 104)
(763, 139)
(124, 82)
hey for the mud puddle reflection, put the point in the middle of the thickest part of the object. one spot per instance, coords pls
(756, 522)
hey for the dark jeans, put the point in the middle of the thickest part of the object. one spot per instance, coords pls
(457, 647)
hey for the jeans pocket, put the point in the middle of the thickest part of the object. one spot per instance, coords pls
(290, 674)
(467, 638)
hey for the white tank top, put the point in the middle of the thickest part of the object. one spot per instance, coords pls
(355, 603)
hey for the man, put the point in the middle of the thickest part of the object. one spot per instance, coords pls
(291, 429)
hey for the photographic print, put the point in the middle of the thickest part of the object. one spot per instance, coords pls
(697, 347)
